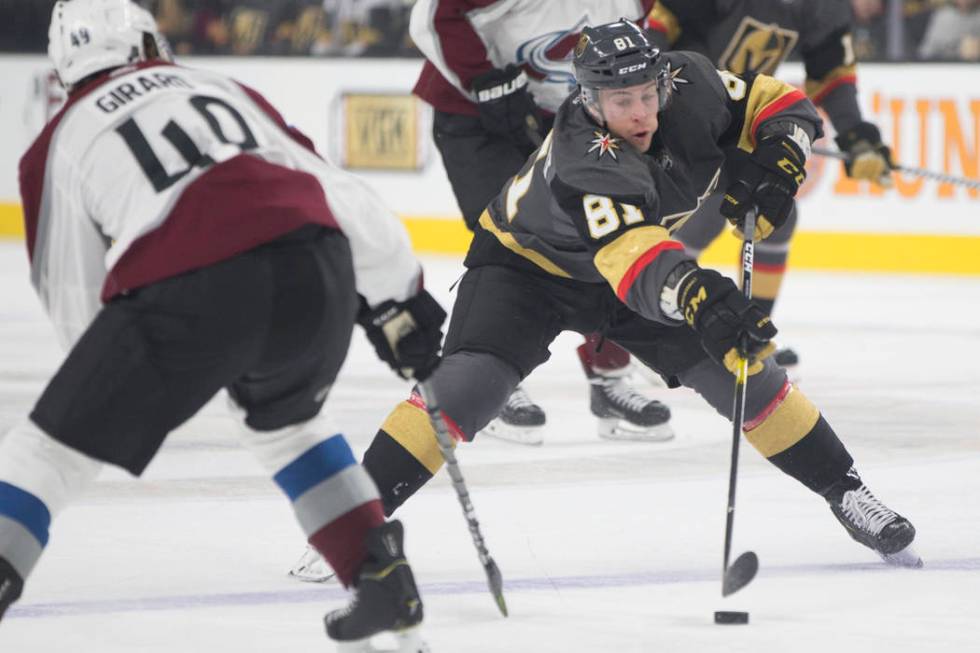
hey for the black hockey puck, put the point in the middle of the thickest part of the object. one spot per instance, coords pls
(731, 617)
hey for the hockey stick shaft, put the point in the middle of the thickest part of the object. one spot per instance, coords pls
(741, 380)
(918, 172)
(494, 578)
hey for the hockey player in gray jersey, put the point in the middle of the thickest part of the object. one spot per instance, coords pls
(184, 239)
(495, 73)
(582, 239)
(753, 37)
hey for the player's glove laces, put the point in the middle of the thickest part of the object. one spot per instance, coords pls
(731, 327)
(407, 335)
(868, 159)
(506, 108)
(768, 181)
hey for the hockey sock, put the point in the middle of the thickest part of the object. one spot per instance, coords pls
(405, 454)
(334, 499)
(38, 476)
(335, 502)
(792, 434)
(599, 355)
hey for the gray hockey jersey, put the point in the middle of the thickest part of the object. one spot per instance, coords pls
(588, 206)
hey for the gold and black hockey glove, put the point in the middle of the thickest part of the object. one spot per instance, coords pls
(506, 108)
(731, 327)
(868, 159)
(768, 180)
(407, 335)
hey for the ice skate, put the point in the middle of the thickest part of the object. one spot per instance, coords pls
(871, 522)
(11, 586)
(312, 568)
(624, 413)
(386, 599)
(520, 421)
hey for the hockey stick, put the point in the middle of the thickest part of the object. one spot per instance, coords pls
(494, 580)
(918, 172)
(741, 572)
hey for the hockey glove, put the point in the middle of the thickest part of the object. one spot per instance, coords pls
(506, 108)
(407, 335)
(731, 327)
(868, 159)
(769, 180)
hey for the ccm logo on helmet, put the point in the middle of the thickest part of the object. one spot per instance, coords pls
(632, 69)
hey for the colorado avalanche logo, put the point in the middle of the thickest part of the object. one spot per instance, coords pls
(548, 58)
(604, 143)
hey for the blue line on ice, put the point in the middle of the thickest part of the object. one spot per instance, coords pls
(306, 594)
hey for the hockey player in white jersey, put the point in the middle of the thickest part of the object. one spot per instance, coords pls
(184, 239)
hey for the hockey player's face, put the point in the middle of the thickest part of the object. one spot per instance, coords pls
(631, 113)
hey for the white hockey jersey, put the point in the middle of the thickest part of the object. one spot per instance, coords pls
(462, 39)
(157, 169)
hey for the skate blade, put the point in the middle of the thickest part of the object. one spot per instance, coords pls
(402, 641)
(613, 428)
(311, 568)
(531, 436)
(907, 558)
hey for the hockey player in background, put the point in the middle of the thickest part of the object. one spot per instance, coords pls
(582, 239)
(495, 73)
(751, 37)
(184, 239)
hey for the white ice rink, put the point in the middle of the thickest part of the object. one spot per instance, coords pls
(605, 547)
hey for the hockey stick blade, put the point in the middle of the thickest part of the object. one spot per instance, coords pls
(495, 581)
(740, 573)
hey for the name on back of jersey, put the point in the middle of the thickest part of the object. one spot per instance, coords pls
(128, 91)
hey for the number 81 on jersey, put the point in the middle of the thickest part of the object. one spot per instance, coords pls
(603, 218)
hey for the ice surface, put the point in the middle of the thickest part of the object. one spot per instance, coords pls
(605, 547)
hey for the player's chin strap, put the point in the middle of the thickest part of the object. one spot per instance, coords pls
(909, 170)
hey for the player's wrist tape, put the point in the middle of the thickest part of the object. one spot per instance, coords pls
(669, 294)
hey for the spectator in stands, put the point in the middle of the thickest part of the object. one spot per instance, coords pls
(953, 33)
(871, 26)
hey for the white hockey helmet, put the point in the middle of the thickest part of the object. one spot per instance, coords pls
(87, 36)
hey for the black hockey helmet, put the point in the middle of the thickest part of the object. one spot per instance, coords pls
(617, 55)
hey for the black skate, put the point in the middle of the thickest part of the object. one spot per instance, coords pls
(520, 420)
(871, 522)
(385, 599)
(11, 586)
(625, 414)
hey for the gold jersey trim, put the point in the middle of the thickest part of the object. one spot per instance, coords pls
(765, 90)
(615, 259)
(816, 89)
(507, 240)
(666, 17)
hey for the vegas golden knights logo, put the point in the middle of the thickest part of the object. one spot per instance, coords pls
(757, 47)
(381, 132)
